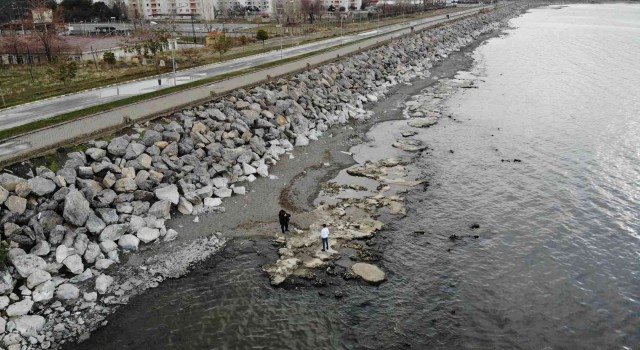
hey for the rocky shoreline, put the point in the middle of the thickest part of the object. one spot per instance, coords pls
(66, 228)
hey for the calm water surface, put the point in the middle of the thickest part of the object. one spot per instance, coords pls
(557, 262)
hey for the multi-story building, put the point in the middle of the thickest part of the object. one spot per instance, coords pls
(150, 9)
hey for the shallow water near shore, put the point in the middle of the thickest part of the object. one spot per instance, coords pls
(556, 261)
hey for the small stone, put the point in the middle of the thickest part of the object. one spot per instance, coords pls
(67, 291)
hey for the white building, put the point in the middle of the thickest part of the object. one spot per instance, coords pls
(204, 9)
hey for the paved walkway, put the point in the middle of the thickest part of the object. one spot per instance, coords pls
(44, 140)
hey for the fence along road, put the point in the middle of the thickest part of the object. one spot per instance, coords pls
(43, 140)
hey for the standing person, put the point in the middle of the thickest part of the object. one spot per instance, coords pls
(324, 234)
(283, 217)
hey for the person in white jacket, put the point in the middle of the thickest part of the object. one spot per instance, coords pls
(324, 234)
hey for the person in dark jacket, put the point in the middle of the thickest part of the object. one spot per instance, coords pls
(283, 217)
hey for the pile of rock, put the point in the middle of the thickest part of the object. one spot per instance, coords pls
(65, 227)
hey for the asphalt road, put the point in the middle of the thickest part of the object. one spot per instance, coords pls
(27, 113)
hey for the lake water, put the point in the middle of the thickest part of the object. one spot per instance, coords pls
(557, 261)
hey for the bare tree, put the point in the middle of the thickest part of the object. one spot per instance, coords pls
(208, 11)
(311, 8)
(150, 43)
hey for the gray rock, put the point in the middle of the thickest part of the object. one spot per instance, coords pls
(93, 296)
(118, 146)
(151, 137)
(161, 209)
(42, 248)
(212, 202)
(69, 175)
(74, 264)
(126, 184)
(29, 325)
(147, 234)
(94, 224)
(185, 207)
(129, 242)
(103, 264)
(168, 193)
(26, 264)
(42, 186)
(20, 308)
(16, 204)
(106, 246)
(76, 208)
(302, 140)
(113, 232)
(109, 180)
(108, 215)
(133, 150)
(6, 282)
(104, 198)
(91, 253)
(223, 192)
(37, 277)
(44, 291)
(67, 291)
(23, 189)
(171, 235)
(103, 282)
(96, 153)
(4, 194)
(422, 122)
(368, 272)
(80, 244)
(56, 235)
(9, 181)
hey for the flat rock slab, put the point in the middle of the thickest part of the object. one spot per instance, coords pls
(368, 272)
(423, 122)
(410, 145)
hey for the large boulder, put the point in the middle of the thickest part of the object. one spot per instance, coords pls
(76, 208)
(67, 291)
(27, 264)
(368, 272)
(42, 186)
(168, 193)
